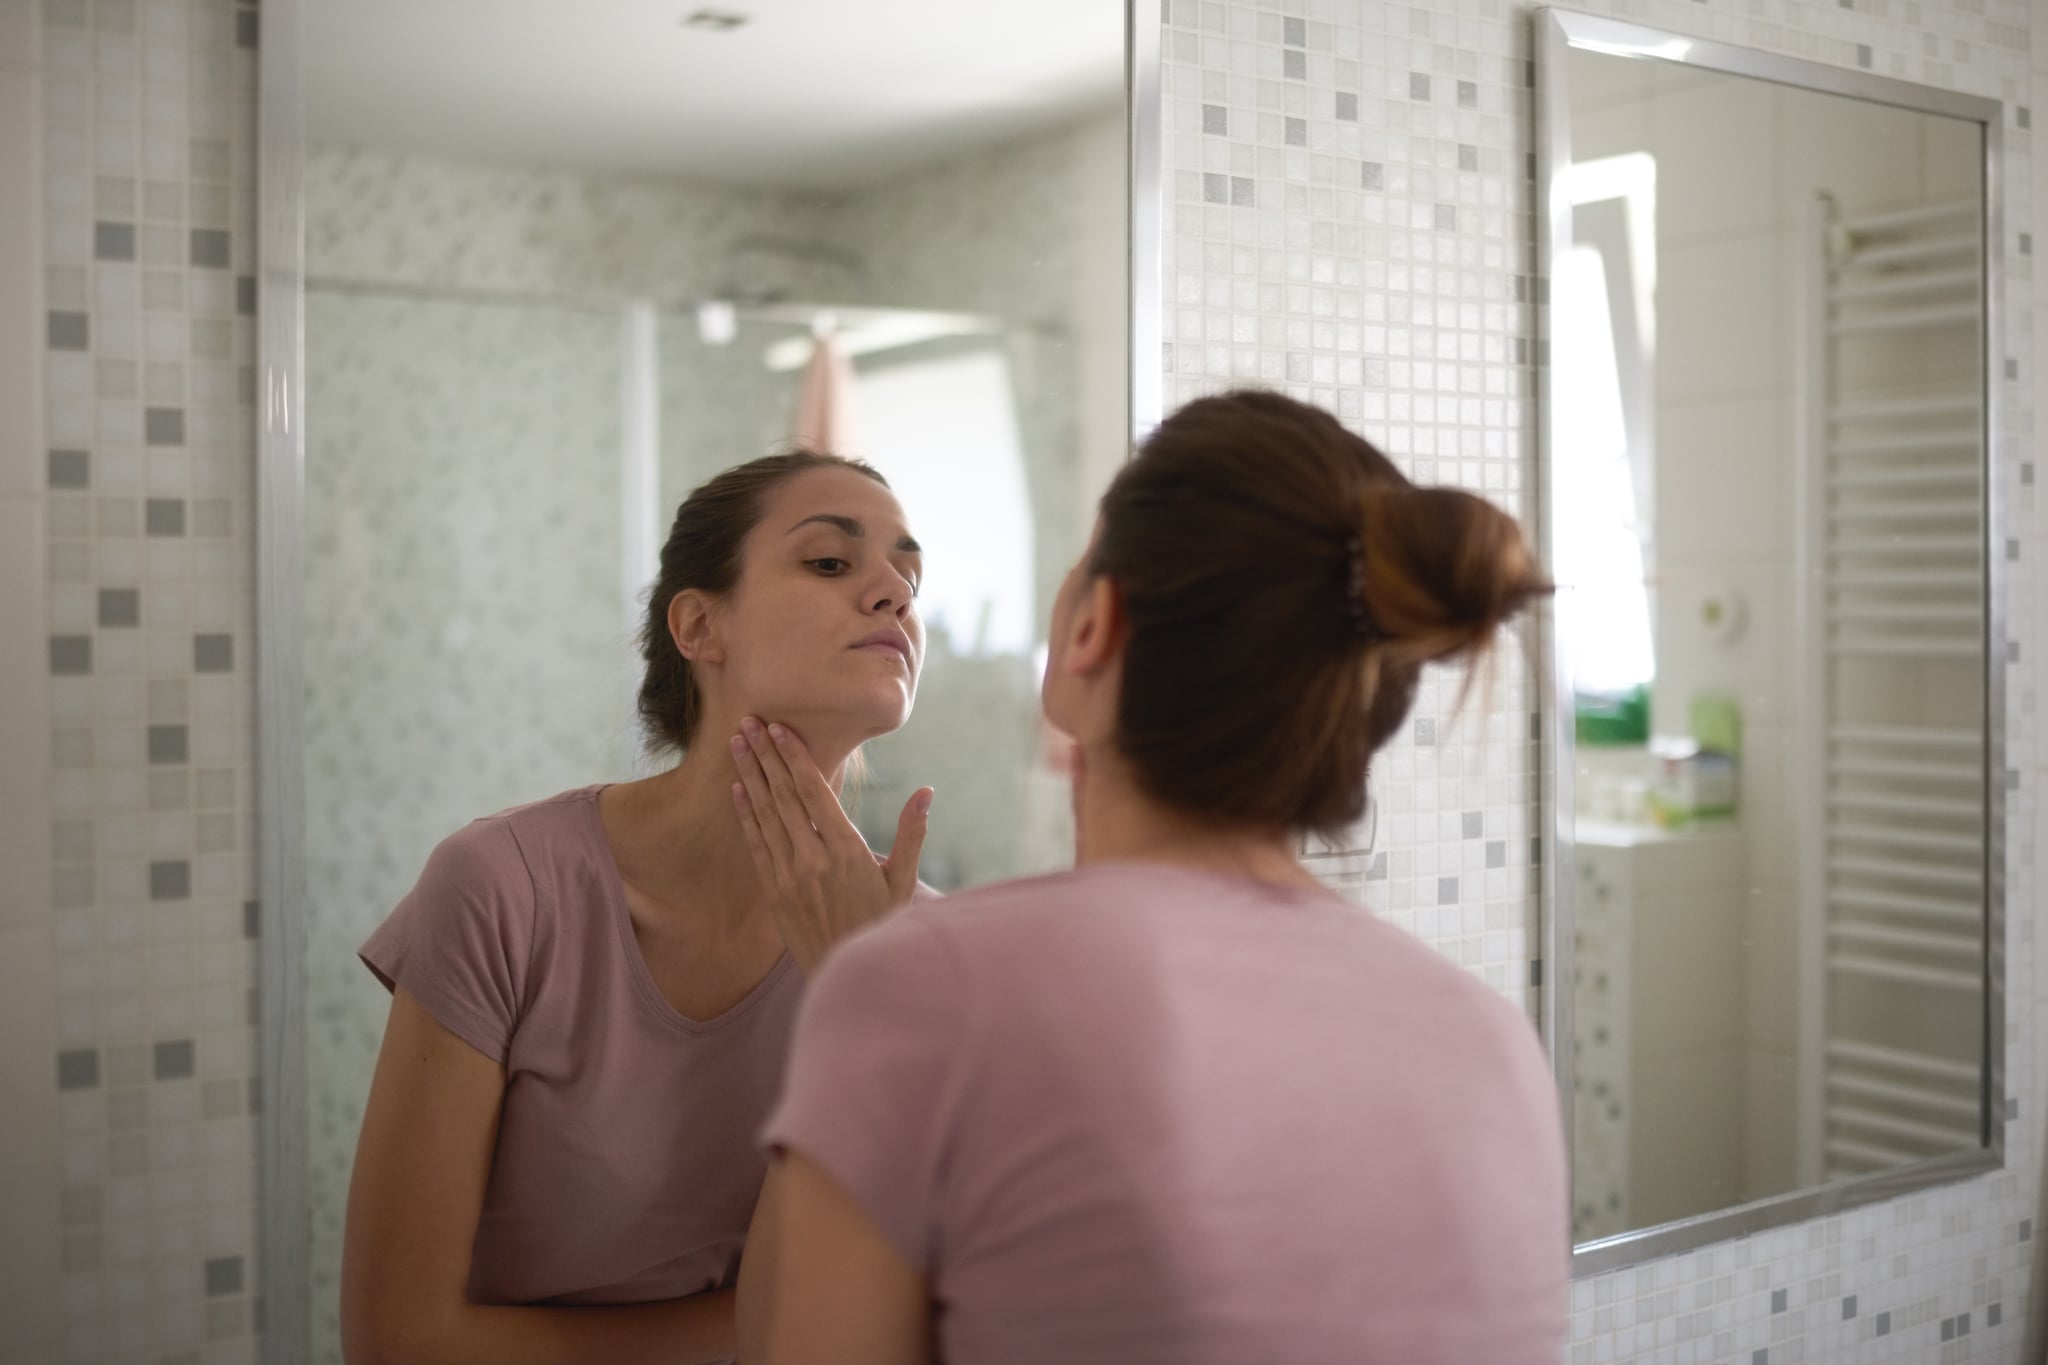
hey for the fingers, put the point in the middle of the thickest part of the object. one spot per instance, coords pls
(820, 802)
(901, 869)
(768, 821)
(750, 830)
(789, 803)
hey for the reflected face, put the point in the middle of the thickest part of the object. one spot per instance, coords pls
(1058, 690)
(822, 631)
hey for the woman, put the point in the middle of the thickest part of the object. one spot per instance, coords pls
(1183, 1104)
(592, 996)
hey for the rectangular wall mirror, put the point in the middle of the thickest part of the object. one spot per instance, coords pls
(1774, 855)
(561, 265)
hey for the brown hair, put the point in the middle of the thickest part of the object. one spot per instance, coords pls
(703, 552)
(1284, 585)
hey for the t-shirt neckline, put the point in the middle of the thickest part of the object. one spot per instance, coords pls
(629, 946)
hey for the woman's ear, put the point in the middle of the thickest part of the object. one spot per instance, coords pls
(691, 626)
(1095, 633)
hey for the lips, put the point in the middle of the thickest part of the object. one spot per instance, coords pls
(886, 639)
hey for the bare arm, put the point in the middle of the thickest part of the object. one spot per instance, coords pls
(421, 1166)
(821, 1285)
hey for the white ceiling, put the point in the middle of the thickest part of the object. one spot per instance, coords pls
(810, 93)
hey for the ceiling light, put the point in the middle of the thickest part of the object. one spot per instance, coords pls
(715, 20)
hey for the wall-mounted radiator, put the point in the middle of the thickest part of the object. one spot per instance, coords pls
(1891, 637)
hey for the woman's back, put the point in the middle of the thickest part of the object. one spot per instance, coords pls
(1133, 1113)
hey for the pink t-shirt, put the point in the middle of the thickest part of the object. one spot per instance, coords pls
(1137, 1114)
(625, 1169)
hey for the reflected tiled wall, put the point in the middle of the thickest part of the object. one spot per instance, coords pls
(149, 428)
(1349, 194)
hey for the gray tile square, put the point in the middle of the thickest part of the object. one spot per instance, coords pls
(163, 426)
(210, 248)
(170, 880)
(69, 332)
(1425, 731)
(1468, 94)
(1468, 157)
(1294, 32)
(213, 653)
(1497, 853)
(1372, 175)
(1994, 1314)
(1473, 824)
(113, 241)
(252, 919)
(1446, 890)
(1296, 132)
(1418, 86)
(1863, 54)
(78, 1069)
(1347, 106)
(1294, 64)
(1215, 188)
(1884, 1324)
(169, 744)
(1215, 119)
(1378, 871)
(2023, 116)
(2026, 244)
(164, 516)
(248, 28)
(1848, 1308)
(1778, 1300)
(1948, 1329)
(1446, 218)
(70, 654)
(224, 1275)
(1241, 195)
(245, 295)
(120, 607)
(1760, 1358)
(70, 469)
(174, 1060)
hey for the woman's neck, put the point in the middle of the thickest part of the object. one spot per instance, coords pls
(676, 835)
(1114, 821)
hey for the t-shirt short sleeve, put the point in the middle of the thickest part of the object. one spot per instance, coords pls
(873, 1076)
(461, 939)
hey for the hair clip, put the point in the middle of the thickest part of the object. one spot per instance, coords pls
(1361, 619)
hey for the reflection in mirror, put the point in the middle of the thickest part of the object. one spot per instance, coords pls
(1768, 446)
(556, 280)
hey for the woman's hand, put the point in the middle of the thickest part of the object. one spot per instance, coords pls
(822, 880)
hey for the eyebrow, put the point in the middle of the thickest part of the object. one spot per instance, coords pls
(853, 527)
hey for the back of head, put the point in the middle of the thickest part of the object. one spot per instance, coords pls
(1284, 586)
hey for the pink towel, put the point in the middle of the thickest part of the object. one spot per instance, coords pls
(824, 402)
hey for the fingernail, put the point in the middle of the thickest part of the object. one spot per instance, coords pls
(779, 733)
(751, 727)
(739, 746)
(924, 803)
(739, 793)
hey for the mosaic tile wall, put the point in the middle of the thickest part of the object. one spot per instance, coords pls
(149, 244)
(1349, 191)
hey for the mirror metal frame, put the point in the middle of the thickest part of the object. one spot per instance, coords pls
(1557, 33)
(284, 1218)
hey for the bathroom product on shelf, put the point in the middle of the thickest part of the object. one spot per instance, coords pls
(1689, 783)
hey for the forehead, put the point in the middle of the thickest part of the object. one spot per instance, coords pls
(832, 492)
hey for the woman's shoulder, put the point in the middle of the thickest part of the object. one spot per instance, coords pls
(503, 849)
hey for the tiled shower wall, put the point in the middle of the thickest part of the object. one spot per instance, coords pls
(137, 1116)
(1349, 216)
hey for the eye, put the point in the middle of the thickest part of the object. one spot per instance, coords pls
(831, 566)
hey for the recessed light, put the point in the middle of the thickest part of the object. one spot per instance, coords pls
(715, 20)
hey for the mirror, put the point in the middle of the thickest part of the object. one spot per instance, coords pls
(556, 279)
(1777, 647)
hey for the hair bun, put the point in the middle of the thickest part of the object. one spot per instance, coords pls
(1441, 569)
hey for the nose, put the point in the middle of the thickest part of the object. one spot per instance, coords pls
(892, 594)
